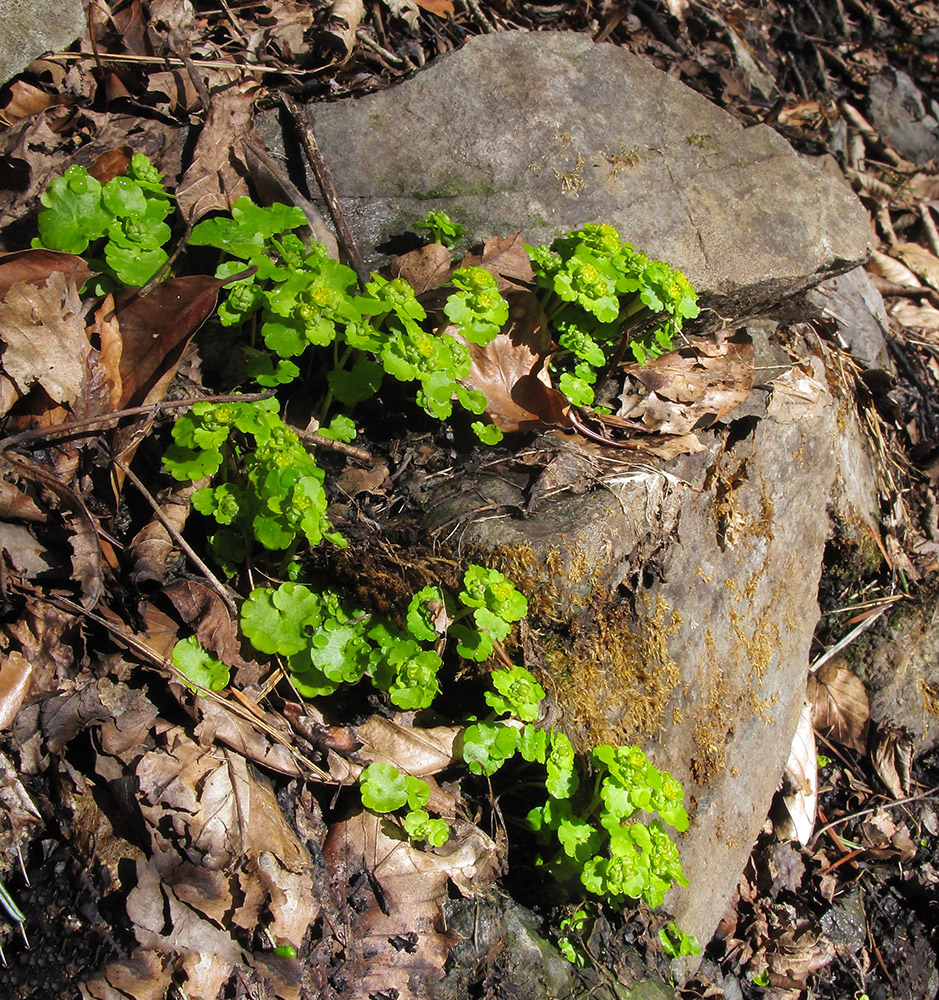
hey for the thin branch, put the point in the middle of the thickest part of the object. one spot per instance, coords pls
(934, 793)
(89, 424)
(327, 185)
(174, 533)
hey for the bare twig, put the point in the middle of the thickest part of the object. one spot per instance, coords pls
(325, 180)
(176, 61)
(90, 424)
(359, 454)
(849, 638)
(174, 533)
(933, 793)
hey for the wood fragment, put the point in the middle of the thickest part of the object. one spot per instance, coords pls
(324, 178)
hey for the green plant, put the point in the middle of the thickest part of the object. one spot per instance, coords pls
(600, 296)
(442, 228)
(270, 490)
(676, 943)
(385, 789)
(128, 210)
(197, 665)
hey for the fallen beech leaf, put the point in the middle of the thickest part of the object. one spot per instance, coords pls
(151, 547)
(442, 8)
(840, 706)
(155, 329)
(205, 613)
(45, 338)
(412, 885)
(113, 163)
(893, 270)
(15, 672)
(352, 481)
(800, 784)
(144, 975)
(510, 370)
(506, 258)
(216, 178)
(16, 505)
(342, 21)
(919, 317)
(35, 267)
(420, 752)
(424, 269)
(796, 395)
(892, 757)
(920, 261)
(887, 839)
(220, 724)
(26, 100)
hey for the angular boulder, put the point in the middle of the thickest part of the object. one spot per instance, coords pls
(543, 132)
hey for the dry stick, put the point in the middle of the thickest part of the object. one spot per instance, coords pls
(92, 423)
(934, 793)
(325, 180)
(174, 533)
(176, 61)
(166, 664)
(197, 81)
(350, 450)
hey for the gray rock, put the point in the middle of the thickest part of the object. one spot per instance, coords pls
(895, 108)
(845, 924)
(852, 301)
(33, 27)
(544, 132)
(674, 607)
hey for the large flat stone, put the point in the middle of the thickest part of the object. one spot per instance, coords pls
(33, 27)
(544, 132)
(674, 607)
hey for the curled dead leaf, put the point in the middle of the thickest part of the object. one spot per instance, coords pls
(506, 258)
(511, 371)
(840, 705)
(891, 754)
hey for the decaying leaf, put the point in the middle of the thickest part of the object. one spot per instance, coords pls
(36, 267)
(892, 756)
(44, 337)
(19, 817)
(15, 672)
(799, 796)
(341, 22)
(424, 269)
(152, 546)
(510, 370)
(885, 838)
(420, 752)
(893, 270)
(394, 889)
(917, 317)
(840, 706)
(216, 178)
(506, 258)
(920, 261)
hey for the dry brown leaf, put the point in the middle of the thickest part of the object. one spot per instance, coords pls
(920, 261)
(840, 706)
(800, 783)
(506, 258)
(886, 839)
(26, 100)
(917, 317)
(44, 334)
(15, 673)
(420, 752)
(797, 394)
(352, 480)
(442, 8)
(16, 505)
(341, 23)
(220, 724)
(403, 895)
(155, 329)
(36, 267)
(216, 177)
(206, 614)
(151, 547)
(893, 270)
(510, 370)
(892, 756)
(19, 817)
(424, 269)
(144, 975)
